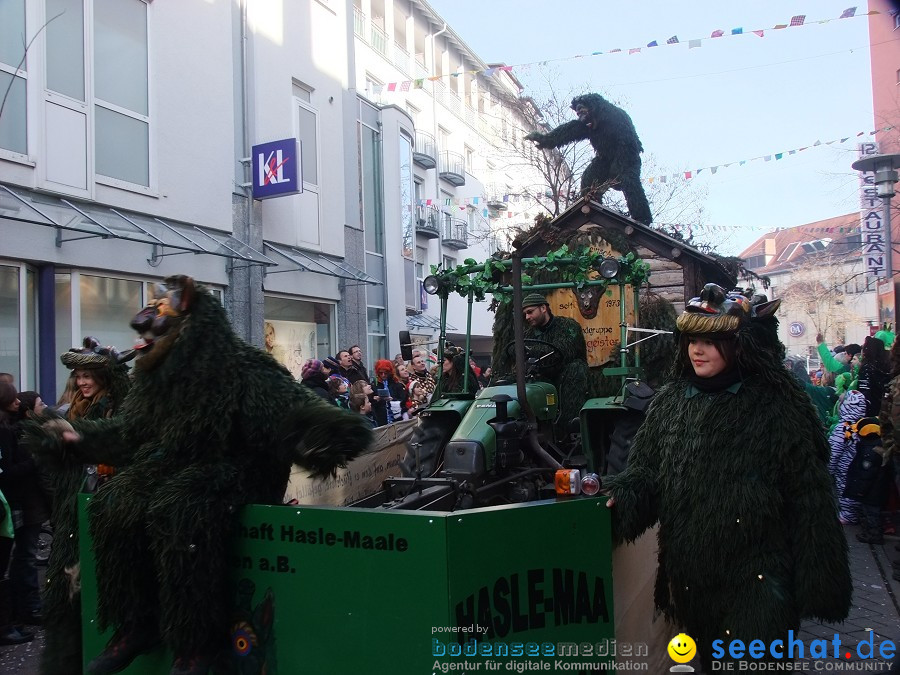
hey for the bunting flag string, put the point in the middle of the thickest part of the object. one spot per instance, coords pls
(692, 43)
(689, 227)
(516, 198)
(688, 175)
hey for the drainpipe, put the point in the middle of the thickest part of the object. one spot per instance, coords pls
(438, 150)
(242, 280)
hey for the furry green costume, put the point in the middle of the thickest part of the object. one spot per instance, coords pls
(569, 373)
(618, 160)
(209, 425)
(749, 540)
(61, 598)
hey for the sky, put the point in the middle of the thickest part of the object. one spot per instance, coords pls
(731, 99)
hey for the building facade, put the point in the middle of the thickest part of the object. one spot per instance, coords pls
(126, 153)
(817, 271)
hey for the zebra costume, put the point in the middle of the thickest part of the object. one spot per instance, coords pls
(843, 442)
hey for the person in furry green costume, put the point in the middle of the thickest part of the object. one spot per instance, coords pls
(210, 424)
(569, 370)
(618, 160)
(61, 597)
(732, 462)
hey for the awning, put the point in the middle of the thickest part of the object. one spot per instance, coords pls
(414, 321)
(89, 219)
(308, 261)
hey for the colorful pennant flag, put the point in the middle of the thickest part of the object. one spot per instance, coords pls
(405, 85)
(798, 20)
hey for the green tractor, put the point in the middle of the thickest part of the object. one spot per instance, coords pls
(505, 444)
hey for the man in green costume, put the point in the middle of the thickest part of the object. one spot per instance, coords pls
(568, 369)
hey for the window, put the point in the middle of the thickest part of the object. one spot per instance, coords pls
(296, 330)
(18, 327)
(421, 263)
(443, 139)
(449, 263)
(470, 158)
(98, 306)
(413, 113)
(370, 183)
(789, 251)
(115, 111)
(756, 261)
(376, 328)
(406, 195)
(121, 99)
(308, 134)
(373, 87)
(13, 76)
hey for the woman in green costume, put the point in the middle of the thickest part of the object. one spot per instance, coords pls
(101, 384)
(732, 463)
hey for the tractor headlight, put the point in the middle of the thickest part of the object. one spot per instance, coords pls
(609, 268)
(431, 284)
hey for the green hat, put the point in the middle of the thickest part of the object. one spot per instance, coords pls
(887, 337)
(533, 300)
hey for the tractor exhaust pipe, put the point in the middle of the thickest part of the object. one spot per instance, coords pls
(518, 331)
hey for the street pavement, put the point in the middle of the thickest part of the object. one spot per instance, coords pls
(876, 608)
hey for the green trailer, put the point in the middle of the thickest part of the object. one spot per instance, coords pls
(343, 590)
(480, 567)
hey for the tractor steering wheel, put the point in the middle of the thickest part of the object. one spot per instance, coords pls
(545, 353)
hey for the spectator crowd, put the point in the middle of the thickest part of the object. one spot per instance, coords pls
(856, 394)
(396, 390)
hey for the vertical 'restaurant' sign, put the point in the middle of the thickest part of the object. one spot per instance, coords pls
(871, 227)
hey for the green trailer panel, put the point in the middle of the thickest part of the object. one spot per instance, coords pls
(377, 591)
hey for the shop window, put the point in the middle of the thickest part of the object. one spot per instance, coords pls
(297, 330)
(10, 354)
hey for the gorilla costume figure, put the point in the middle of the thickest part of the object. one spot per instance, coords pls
(210, 424)
(618, 148)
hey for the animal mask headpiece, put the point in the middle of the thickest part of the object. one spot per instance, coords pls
(161, 321)
(92, 355)
(717, 314)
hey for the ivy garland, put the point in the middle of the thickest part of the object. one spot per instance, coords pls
(574, 266)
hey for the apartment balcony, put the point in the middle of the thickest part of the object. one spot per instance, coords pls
(456, 234)
(425, 152)
(401, 58)
(453, 168)
(428, 220)
(378, 39)
(359, 23)
(494, 195)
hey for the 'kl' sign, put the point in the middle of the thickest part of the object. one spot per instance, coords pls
(276, 169)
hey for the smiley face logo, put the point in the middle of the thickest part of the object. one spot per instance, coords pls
(682, 648)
